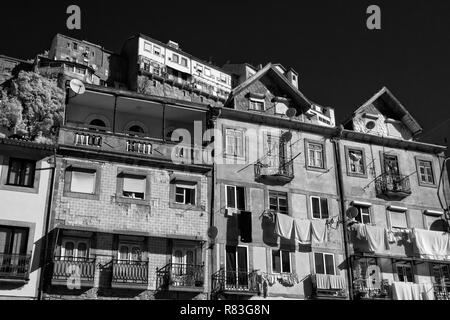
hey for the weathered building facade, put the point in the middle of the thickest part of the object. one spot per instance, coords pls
(131, 209)
(25, 189)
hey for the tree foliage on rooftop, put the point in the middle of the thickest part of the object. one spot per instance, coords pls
(32, 106)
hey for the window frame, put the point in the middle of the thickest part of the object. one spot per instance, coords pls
(73, 165)
(369, 213)
(347, 151)
(308, 142)
(390, 211)
(132, 173)
(196, 182)
(279, 252)
(235, 149)
(185, 187)
(324, 262)
(278, 194)
(148, 45)
(184, 64)
(252, 101)
(320, 207)
(421, 183)
(235, 197)
(23, 162)
(75, 248)
(404, 265)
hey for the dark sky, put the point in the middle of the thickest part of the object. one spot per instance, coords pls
(340, 62)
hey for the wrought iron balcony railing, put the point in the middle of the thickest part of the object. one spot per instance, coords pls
(184, 277)
(235, 282)
(441, 291)
(328, 286)
(67, 267)
(129, 274)
(14, 266)
(363, 290)
(392, 186)
(282, 173)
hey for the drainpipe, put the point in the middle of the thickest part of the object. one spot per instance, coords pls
(340, 191)
(212, 246)
(47, 227)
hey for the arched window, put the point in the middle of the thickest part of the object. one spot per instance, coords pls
(136, 128)
(123, 253)
(439, 225)
(98, 123)
(69, 250)
(82, 250)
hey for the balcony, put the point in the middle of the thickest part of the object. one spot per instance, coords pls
(281, 174)
(129, 274)
(441, 291)
(65, 268)
(393, 187)
(235, 282)
(180, 277)
(326, 286)
(14, 267)
(364, 291)
(122, 145)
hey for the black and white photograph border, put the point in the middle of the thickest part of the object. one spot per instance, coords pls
(205, 151)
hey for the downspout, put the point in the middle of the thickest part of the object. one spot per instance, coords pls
(211, 247)
(340, 191)
(47, 227)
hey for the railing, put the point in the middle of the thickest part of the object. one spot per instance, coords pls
(88, 139)
(284, 171)
(235, 281)
(14, 266)
(389, 184)
(362, 290)
(188, 153)
(180, 275)
(65, 267)
(130, 272)
(441, 291)
(326, 285)
(139, 147)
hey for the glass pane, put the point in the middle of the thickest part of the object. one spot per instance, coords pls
(231, 201)
(69, 249)
(5, 239)
(230, 258)
(315, 208)
(329, 263)
(28, 174)
(136, 254)
(276, 262)
(242, 259)
(324, 207)
(14, 172)
(82, 250)
(123, 253)
(240, 193)
(179, 198)
(286, 261)
(318, 261)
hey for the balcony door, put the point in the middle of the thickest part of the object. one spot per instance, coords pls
(183, 260)
(13, 247)
(275, 153)
(391, 165)
(236, 268)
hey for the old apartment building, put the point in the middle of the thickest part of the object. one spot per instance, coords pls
(178, 179)
(25, 189)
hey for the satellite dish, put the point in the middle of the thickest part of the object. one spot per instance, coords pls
(352, 212)
(212, 232)
(77, 86)
(291, 112)
(286, 136)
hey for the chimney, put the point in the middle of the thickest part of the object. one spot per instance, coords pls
(292, 76)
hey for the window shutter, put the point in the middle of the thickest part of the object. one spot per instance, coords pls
(315, 207)
(136, 185)
(83, 182)
(324, 207)
(240, 195)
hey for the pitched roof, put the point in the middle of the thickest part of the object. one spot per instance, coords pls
(270, 70)
(395, 109)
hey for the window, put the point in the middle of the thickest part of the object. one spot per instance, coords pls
(199, 68)
(13, 240)
(129, 253)
(235, 197)
(441, 273)
(234, 142)
(281, 261)
(134, 187)
(398, 219)
(21, 172)
(207, 72)
(82, 180)
(185, 194)
(355, 160)
(278, 201)
(175, 58)
(324, 263)
(136, 128)
(147, 47)
(75, 46)
(257, 105)
(184, 62)
(223, 78)
(315, 155)
(425, 172)
(97, 123)
(74, 250)
(319, 207)
(156, 51)
(404, 272)
(363, 214)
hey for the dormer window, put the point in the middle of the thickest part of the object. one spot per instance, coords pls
(256, 104)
